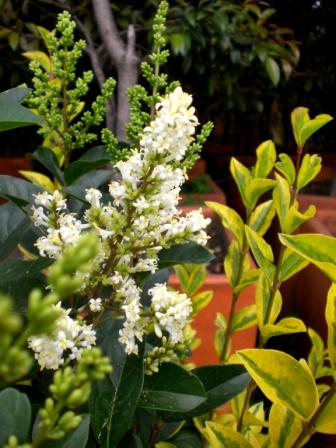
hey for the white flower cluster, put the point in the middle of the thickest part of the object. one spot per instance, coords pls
(140, 219)
(171, 310)
(61, 228)
(68, 339)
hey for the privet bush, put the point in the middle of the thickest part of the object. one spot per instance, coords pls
(88, 298)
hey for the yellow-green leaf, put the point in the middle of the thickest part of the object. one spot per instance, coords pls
(231, 261)
(288, 325)
(286, 168)
(74, 112)
(165, 445)
(262, 252)
(299, 116)
(291, 264)
(326, 422)
(310, 127)
(40, 57)
(284, 426)
(273, 70)
(263, 295)
(256, 188)
(282, 198)
(282, 379)
(39, 179)
(266, 155)
(248, 278)
(316, 354)
(309, 169)
(200, 301)
(183, 276)
(230, 219)
(295, 218)
(242, 177)
(221, 436)
(318, 249)
(196, 279)
(330, 314)
(261, 218)
(44, 33)
(245, 318)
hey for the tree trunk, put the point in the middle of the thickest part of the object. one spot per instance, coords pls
(124, 57)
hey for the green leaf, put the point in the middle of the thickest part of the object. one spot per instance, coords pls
(310, 127)
(17, 190)
(13, 40)
(291, 264)
(283, 379)
(222, 383)
(282, 199)
(288, 325)
(299, 116)
(76, 439)
(330, 315)
(256, 188)
(325, 422)
(263, 298)
(318, 249)
(266, 156)
(15, 95)
(221, 436)
(245, 318)
(184, 253)
(172, 389)
(230, 219)
(273, 70)
(186, 438)
(284, 426)
(295, 218)
(90, 180)
(242, 177)
(113, 401)
(13, 115)
(286, 168)
(91, 160)
(261, 218)
(15, 270)
(309, 169)
(262, 252)
(49, 160)
(15, 415)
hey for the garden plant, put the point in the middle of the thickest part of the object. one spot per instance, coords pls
(94, 345)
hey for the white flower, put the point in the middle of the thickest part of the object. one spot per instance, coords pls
(172, 311)
(95, 305)
(93, 197)
(69, 338)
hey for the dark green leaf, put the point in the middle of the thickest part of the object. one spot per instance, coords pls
(15, 270)
(15, 415)
(94, 158)
(89, 180)
(187, 438)
(49, 160)
(172, 389)
(184, 253)
(13, 115)
(15, 95)
(17, 190)
(221, 384)
(113, 401)
(15, 237)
